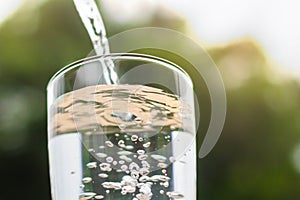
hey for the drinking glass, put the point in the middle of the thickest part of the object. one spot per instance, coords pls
(133, 139)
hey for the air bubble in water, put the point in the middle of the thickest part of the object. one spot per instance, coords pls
(91, 150)
(145, 164)
(87, 195)
(145, 189)
(109, 143)
(101, 155)
(105, 167)
(91, 165)
(159, 158)
(141, 196)
(121, 143)
(128, 180)
(121, 162)
(146, 145)
(140, 152)
(124, 153)
(162, 165)
(125, 158)
(134, 167)
(112, 185)
(144, 179)
(109, 159)
(128, 189)
(175, 195)
(102, 175)
(143, 157)
(144, 171)
(135, 174)
(124, 167)
(87, 180)
(166, 184)
(129, 147)
(99, 197)
(134, 138)
(156, 178)
(123, 192)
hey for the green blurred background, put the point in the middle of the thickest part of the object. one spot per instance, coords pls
(257, 156)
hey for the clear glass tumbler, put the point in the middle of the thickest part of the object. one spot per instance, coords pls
(134, 139)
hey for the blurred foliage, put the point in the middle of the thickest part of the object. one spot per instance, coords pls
(252, 160)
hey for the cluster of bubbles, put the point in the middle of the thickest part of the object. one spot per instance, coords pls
(134, 168)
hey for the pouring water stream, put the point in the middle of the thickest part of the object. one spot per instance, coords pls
(92, 20)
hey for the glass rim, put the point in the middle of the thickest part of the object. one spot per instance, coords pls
(144, 57)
